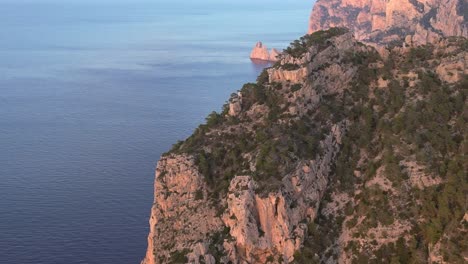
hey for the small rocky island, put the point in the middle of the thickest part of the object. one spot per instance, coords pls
(260, 52)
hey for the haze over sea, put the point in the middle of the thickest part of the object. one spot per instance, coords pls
(91, 94)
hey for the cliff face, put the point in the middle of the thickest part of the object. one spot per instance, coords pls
(334, 155)
(270, 225)
(337, 154)
(386, 21)
(192, 222)
(182, 216)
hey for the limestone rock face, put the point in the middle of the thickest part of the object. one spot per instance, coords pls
(273, 224)
(260, 226)
(235, 105)
(181, 218)
(385, 21)
(341, 45)
(294, 76)
(260, 52)
(452, 69)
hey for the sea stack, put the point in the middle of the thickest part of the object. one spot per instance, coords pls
(274, 55)
(260, 52)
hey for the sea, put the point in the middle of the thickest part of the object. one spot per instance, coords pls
(92, 92)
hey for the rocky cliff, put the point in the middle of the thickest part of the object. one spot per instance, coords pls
(334, 155)
(387, 21)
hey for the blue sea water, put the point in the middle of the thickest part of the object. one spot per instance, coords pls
(91, 94)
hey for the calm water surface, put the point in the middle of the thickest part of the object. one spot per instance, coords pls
(91, 94)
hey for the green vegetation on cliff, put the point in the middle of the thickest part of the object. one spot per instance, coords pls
(423, 122)
(318, 39)
(273, 144)
(398, 185)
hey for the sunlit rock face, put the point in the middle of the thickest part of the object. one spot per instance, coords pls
(260, 52)
(274, 55)
(387, 21)
(181, 217)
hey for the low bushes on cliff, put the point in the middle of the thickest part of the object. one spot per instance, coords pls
(299, 47)
(424, 123)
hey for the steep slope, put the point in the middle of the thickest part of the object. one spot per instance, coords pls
(387, 21)
(333, 155)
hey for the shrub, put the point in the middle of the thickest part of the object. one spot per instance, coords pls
(263, 77)
(298, 47)
(290, 67)
(179, 257)
(199, 195)
(296, 87)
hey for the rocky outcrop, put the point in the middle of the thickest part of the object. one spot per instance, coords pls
(260, 52)
(293, 76)
(302, 67)
(453, 69)
(274, 55)
(182, 219)
(384, 22)
(273, 225)
(235, 104)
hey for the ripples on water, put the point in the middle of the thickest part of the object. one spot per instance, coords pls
(92, 93)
